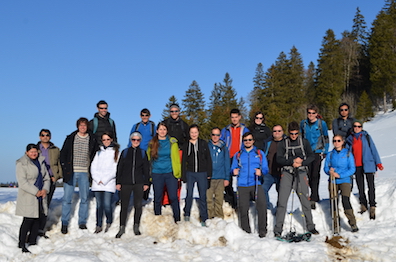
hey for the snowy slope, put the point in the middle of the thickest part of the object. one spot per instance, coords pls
(162, 240)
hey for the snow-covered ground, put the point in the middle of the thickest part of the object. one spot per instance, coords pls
(221, 240)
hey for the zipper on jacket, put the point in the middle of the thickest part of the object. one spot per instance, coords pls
(133, 166)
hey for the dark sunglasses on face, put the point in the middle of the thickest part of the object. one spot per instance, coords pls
(357, 126)
(43, 135)
(337, 140)
(343, 109)
(215, 134)
(174, 111)
(276, 131)
(293, 134)
(106, 139)
(261, 118)
(103, 108)
(311, 113)
(246, 140)
(144, 115)
(135, 139)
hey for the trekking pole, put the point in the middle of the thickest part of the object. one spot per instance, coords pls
(334, 202)
(295, 172)
(256, 189)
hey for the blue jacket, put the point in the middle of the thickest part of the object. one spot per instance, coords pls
(220, 159)
(248, 162)
(343, 164)
(226, 135)
(318, 139)
(371, 157)
(147, 130)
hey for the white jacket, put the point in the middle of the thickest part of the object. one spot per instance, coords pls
(103, 169)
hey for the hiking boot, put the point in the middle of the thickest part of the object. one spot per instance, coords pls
(107, 227)
(25, 250)
(354, 228)
(277, 234)
(82, 226)
(314, 231)
(372, 213)
(42, 234)
(121, 232)
(186, 218)
(203, 224)
(136, 229)
(262, 235)
(363, 209)
(64, 229)
(98, 230)
(313, 205)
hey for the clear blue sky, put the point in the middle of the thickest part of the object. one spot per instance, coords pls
(59, 58)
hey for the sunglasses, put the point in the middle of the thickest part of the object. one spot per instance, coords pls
(43, 135)
(174, 111)
(357, 126)
(215, 134)
(249, 139)
(103, 108)
(135, 139)
(144, 115)
(342, 109)
(337, 140)
(276, 131)
(106, 139)
(260, 118)
(312, 113)
(293, 134)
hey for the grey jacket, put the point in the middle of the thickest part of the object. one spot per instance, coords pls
(26, 173)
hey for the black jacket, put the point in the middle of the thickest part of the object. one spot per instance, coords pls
(66, 154)
(204, 163)
(260, 134)
(177, 129)
(103, 126)
(303, 151)
(133, 167)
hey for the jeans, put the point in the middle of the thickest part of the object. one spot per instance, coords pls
(202, 182)
(103, 205)
(269, 180)
(159, 182)
(83, 184)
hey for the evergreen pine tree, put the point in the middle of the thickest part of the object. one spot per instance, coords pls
(364, 107)
(165, 112)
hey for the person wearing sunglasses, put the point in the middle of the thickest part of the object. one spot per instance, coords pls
(340, 166)
(33, 186)
(196, 168)
(248, 165)
(146, 127)
(315, 130)
(295, 155)
(220, 174)
(101, 122)
(177, 128)
(52, 161)
(344, 123)
(132, 177)
(259, 130)
(367, 161)
(103, 172)
(270, 149)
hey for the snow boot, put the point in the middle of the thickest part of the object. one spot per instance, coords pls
(98, 230)
(354, 228)
(363, 209)
(372, 213)
(107, 227)
(136, 229)
(121, 232)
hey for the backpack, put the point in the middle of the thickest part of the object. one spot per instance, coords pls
(96, 121)
(151, 127)
(300, 145)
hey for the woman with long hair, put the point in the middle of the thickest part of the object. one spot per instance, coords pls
(196, 168)
(163, 152)
(340, 166)
(261, 132)
(103, 171)
(33, 186)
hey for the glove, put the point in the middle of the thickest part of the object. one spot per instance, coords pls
(380, 167)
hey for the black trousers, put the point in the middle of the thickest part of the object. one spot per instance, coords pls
(30, 225)
(125, 195)
(314, 177)
(359, 174)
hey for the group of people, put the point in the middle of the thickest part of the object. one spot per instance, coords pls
(238, 164)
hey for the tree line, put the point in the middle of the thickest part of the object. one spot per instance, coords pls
(359, 68)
